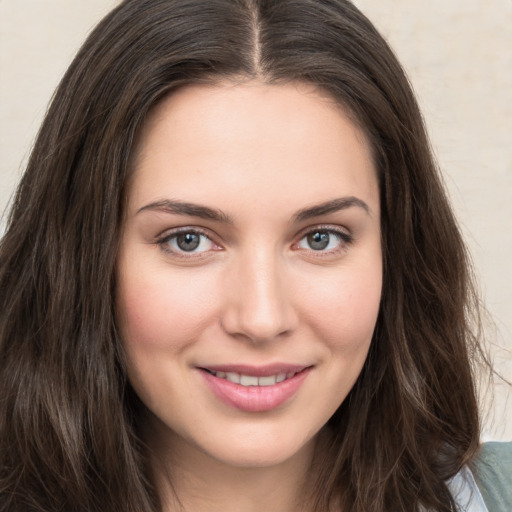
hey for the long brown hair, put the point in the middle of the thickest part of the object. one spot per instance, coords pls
(68, 417)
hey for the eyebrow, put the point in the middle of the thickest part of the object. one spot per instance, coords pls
(204, 212)
(191, 209)
(335, 205)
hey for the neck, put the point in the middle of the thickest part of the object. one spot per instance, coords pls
(190, 480)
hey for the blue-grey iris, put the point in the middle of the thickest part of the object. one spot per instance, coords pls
(318, 240)
(188, 241)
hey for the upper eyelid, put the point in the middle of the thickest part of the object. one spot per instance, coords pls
(346, 238)
(171, 232)
(167, 235)
(163, 242)
(324, 227)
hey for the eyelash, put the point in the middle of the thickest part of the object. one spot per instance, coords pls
(163, 242)
(344, 240)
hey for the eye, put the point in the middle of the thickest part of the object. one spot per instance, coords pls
(324, 240)
(186, 242)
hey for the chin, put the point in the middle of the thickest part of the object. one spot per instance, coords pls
(260, 448)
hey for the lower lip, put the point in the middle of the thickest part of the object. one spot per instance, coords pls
(255, 398)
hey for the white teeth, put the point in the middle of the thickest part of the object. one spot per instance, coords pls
(251, 380)
(233, 377)
(267, 381)
(247, 380)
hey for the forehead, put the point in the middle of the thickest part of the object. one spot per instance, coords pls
(251, 139)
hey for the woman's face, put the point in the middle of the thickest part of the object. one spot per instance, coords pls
(250, 268)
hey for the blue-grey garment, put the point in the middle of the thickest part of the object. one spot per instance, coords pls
(465, 492)
(492, 471)
(486, 486)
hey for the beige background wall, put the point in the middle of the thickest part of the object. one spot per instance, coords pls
(458, 54)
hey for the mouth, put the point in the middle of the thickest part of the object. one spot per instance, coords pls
(255, 389)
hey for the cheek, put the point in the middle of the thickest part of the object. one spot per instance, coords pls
(161, 310)
(344, 306)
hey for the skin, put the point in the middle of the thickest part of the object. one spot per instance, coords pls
(254, 291)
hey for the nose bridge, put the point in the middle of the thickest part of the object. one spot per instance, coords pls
(259, 306)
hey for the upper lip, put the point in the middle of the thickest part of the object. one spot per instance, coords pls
(256, 371)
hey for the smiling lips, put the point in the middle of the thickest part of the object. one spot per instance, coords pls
(255, 389)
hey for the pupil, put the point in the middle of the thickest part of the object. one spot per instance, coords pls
(318, 241)
(188, 241)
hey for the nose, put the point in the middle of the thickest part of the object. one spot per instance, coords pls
(259, 305)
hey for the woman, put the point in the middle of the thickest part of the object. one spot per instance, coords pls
(231, 277)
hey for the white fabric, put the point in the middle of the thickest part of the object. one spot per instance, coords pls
(465, 492)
